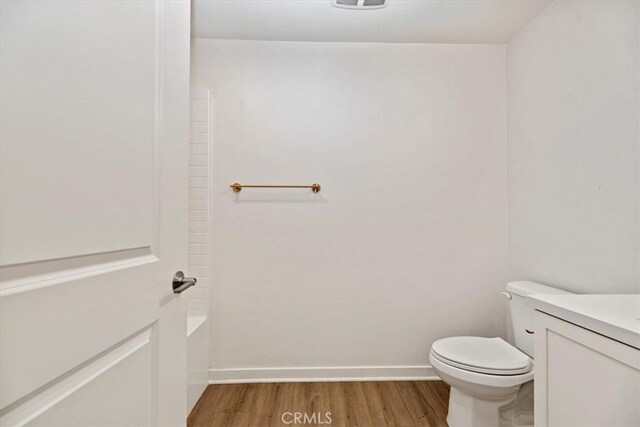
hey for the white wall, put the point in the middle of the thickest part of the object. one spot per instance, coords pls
(573, 147)
(406, 242)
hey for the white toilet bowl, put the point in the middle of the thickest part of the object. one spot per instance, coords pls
(477, 397)
(486, 374)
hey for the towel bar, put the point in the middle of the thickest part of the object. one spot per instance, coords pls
(237, 187)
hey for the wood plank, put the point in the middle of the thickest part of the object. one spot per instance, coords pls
(203, 410)
(320, 402)
(238, 419)
(301, 401)
(368, 404)
(438, 391)
(422, 405)
(226, 406)
(339, 408)
(394, 407)
(376, 405)
(357, 404)
(441, 393)
(200, 407)
(265, 403)
(283, 403)
(217, 419)
(248, 397)
(229, 398)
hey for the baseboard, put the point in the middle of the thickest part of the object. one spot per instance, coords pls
(329, 374)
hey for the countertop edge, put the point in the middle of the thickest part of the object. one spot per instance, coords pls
(585, 321)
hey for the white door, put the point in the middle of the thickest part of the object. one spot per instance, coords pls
(93, 152)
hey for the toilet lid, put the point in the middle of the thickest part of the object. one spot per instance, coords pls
(484, 355)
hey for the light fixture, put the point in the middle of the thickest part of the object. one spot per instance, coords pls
(359, 4)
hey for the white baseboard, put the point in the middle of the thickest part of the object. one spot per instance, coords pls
(328, 374)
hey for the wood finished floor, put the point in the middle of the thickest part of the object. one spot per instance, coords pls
(365, 404)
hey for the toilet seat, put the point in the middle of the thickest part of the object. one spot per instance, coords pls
(491, 356)
(489, 380)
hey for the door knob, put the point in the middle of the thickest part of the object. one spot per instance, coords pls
(181, 283)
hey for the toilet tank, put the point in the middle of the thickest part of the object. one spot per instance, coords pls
(522, 314)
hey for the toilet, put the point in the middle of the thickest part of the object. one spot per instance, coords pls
(491, 380)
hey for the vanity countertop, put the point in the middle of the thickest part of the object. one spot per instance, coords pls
(614, 316)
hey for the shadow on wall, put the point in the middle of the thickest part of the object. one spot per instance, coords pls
(269, 196)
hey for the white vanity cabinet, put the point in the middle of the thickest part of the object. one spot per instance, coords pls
(587, 360)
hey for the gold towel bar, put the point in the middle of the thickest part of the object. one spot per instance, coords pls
(237, 187)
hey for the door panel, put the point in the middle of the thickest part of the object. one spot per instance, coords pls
(84, 397)
(91, 403)
(94, 109)
(78, 117)
(71, 321)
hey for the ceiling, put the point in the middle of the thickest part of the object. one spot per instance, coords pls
(402, 21)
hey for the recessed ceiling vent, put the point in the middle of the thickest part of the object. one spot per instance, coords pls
(360, 4)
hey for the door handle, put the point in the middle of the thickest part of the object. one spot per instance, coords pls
(181, 283)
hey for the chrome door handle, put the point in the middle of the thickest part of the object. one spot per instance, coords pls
(181, 283)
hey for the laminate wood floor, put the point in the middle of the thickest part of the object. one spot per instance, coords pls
(365, 404)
